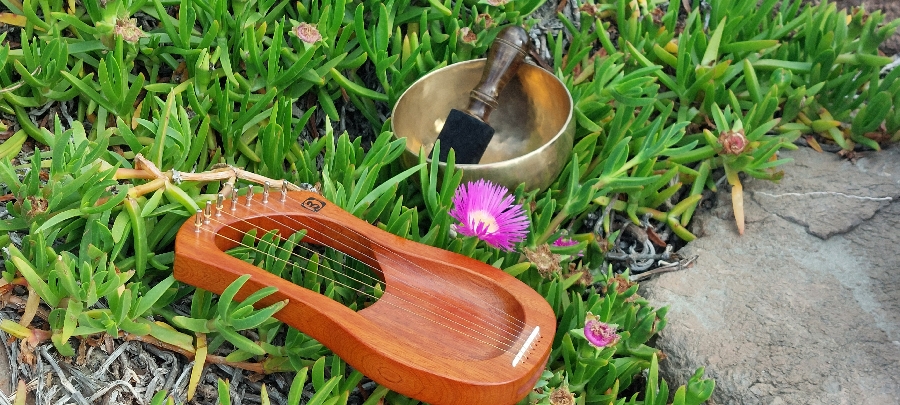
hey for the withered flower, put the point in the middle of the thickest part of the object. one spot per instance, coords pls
(36, 206)
(546, 261)
(562, 396)
(129, 31)
(307, 33)
(589, 9)
(586, 278)
(466, 36)
(622, 284)
(484, 19)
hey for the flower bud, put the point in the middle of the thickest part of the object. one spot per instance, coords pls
(733, 142)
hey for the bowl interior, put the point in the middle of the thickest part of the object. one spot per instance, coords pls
(534, 108)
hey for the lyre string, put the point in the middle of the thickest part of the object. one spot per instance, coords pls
(488, 307)
(511, 337)
(515, 321)
(506, 344)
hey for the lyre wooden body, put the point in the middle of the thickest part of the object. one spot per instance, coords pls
(430, 336)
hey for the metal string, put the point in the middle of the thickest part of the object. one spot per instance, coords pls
(507, 344)
(511, 336)
(489, 308)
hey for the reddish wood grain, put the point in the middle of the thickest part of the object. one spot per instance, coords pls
(445, 331)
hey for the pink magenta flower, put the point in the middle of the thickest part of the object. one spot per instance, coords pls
(599, 333)
(486, 211)
(566, 242)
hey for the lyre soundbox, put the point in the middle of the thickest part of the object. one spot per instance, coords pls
(447, 329)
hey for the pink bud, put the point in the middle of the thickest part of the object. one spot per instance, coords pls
(733, 142)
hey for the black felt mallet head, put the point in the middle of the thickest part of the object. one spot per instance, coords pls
(467, 132)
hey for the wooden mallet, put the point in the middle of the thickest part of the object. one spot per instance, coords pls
(468, 132)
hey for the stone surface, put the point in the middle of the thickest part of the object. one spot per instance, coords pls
(814, 192)
(804, 308)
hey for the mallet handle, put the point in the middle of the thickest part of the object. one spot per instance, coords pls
(503, 60)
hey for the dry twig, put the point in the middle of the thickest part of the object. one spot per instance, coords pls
(679, 265)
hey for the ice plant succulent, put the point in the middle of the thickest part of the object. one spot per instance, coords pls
(598, 333)
(486, 210)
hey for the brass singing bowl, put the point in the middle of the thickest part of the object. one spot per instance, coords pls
(533, 125)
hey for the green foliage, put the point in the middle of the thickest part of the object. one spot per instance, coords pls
(818, 65)
(678, 97)
(604, 375)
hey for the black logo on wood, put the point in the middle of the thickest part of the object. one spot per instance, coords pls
(313, 204)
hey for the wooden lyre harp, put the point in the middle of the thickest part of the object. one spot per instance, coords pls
(447, 330)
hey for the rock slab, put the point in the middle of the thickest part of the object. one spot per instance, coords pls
(804, 308)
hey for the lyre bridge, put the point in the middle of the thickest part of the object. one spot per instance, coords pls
(527, 346)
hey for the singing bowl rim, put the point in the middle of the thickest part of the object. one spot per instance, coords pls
(565, 134)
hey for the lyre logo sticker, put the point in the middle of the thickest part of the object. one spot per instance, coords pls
(313, 204)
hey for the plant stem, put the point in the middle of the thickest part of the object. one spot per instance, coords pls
(554, 224)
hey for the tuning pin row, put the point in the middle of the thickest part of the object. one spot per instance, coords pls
(205, 215)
